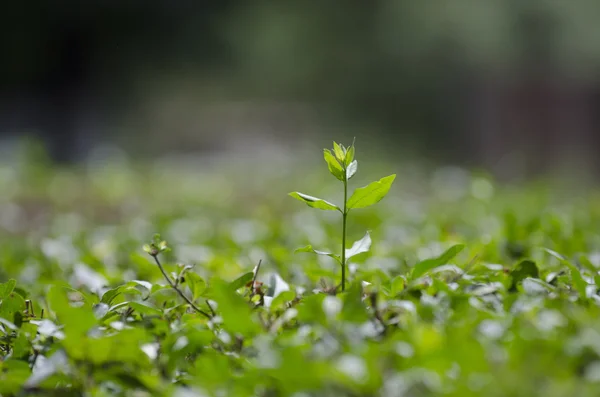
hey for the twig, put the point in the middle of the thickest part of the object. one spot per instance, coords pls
(185, 298)
(252, 292)
(211, 308)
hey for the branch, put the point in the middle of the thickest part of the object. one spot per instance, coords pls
(185, 298)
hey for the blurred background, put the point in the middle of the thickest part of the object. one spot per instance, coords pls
(507, 86)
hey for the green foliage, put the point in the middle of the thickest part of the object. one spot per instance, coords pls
(435, 302)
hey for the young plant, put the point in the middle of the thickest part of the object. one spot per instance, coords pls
(343, 166)
(154, 249)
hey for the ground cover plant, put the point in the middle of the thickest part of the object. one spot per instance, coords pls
(466, 288)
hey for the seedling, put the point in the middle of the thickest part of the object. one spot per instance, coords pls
(343, 166)
(154, 249)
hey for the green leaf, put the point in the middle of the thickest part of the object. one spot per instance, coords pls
(579, 283)
(310, 249)
(235, 311)
(522, 270)
(334, 165)
(310, 309)
(196, 284)
(241, 281)
(145, 308)
(77, 320)
(354, 309)
(423, 267)
(338, 150)
(351, 169)
(360, 246)
(12, 305)
(371, 194)
(314, 201)
(7, 288)
(109, 296)
(397, 285)
(555, 254)
(280, 300)
(349, 155)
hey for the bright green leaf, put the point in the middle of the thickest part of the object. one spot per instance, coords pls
(280, 300)
(235, 311)
(334, 165)
(423, 267)
(338, 150)
(371, 194)
(349, 155)
(314, 201)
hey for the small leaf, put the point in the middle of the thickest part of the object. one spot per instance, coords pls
(579, 283)
(310, 249)
(360, 246)
(314, 201)
(351, 170)
(334, 165)
(423, 267)
(371, 194)
(280, 300)
(196, 284)
(339, 152)
(397, 285)
(241, 281)
(349, 155)
(7, 288)
(140, 307)
(555, 254)
(145, 308)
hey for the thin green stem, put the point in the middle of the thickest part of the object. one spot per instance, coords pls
(185, 298)
(344, 216)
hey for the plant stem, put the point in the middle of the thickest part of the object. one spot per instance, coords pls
(185, 298)
(344, 215)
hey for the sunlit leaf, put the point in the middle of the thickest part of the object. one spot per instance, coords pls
(349, 155)
(340, 153)
(371, 194)
(334, 165)
(423, 267)
(351, 169)
(360, 246)
(314, 201)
